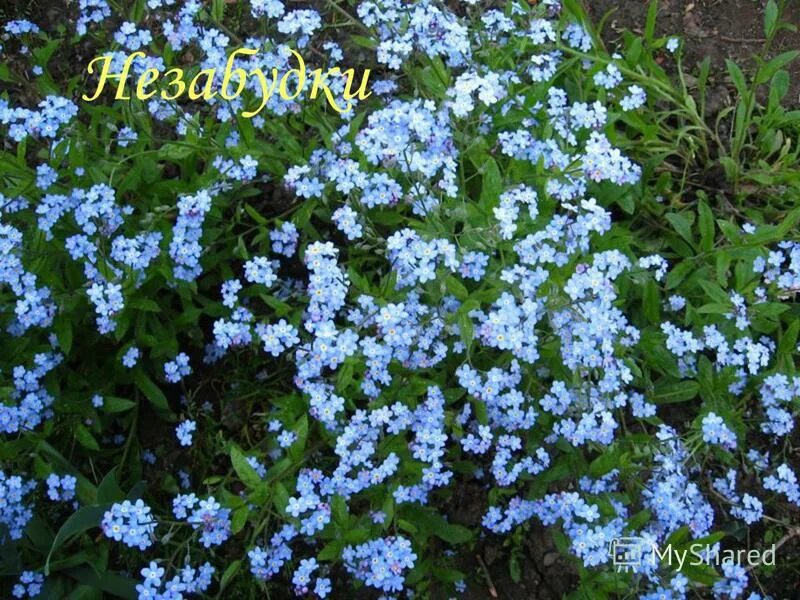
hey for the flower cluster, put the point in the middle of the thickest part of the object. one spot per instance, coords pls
(61, 489)
(29, 585)
(185, 249)
(432, 296)
(130, 523)
(380, 563)
(207, 516)
(189, 580)
(178, 368)
(14, 512)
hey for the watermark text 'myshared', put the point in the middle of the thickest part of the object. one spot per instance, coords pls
(631, 552)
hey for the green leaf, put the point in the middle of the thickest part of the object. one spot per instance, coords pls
(604, 463)
(634, 52)
(706, 540)
(112, 583)
(280, 497)
(109, 491)
(715, 292)
(723, 264)
(331, 551)
(113, 404)
(436, 524)
(239, 519)
(82, 520)
(701, 573)
(339, 511)
(681, 225)
(257, 216)
(514, 570)
(466, 329)
(771, 13)
(491, 183)
(626, 203)
(217, 10)
(714, 308)
(85, 437)
(638, 520)
(301, 429)
(230, 572)
(737, 77)
(145, 304)
(770, 309)
(345, 375)
(364, 41)
(706, 225)
(766, 72)
(244, 470)
(672, 392)
(650, 23)
(677, 537)
(730, 231)
(789, 338)
(651, 301)
(175, 151)
(151, 391)
(455, 287)
(678, 274)
(63, 329)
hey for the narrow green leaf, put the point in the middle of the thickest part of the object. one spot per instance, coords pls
(737, 77)
(682, 226)
(466, 329)
(112, 583)
(681, 391)
(331, 551)
(109, 491)
(492, 182)
(63, 329)
(766, 72)
(113, 404)
(514, 570)
(706, 226)
(243, 469)
(788, 341)
(151, 391)
(715, 292)
(650, 23)
(651, 301)
(678, 274)
(85, 437)
(83, 519)
(230, 572)
(771, 13)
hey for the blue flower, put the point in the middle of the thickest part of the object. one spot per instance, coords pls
(184, 432)
(61, 489)
(177, 369)
(260, 270)
(131, 357)
(381, 563)
(130, 523)
(673, 44)
(715, 431)
(30, 585)
(14, 513)
(212, 520)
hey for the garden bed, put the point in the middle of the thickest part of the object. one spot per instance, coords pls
(531, 301)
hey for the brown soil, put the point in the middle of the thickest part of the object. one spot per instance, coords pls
(719, 29)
